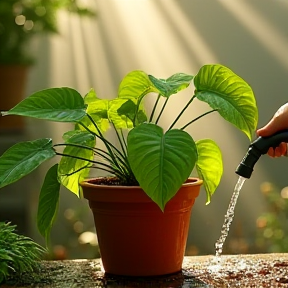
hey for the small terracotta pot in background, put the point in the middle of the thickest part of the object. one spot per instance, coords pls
(13, 80)
(135, 237)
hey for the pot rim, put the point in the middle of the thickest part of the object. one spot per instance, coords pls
(191, 181)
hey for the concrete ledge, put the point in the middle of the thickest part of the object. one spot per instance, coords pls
(259, 270)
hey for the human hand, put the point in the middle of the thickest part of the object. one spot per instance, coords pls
(278, 122)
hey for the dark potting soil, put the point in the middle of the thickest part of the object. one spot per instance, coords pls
(114, 181)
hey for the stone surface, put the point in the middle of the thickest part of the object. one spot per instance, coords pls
(259, 270)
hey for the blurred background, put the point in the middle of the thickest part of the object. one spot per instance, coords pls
(97, 44)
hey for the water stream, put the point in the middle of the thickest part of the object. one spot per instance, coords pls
(229, 217)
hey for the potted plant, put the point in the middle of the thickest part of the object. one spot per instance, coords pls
(20, 21)
(150, 163)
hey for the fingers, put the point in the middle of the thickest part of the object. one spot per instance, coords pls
(271, 152)
(283, 149)
(279, 151)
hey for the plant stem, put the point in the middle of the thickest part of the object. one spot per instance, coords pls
(154, 107)
(120, 140)
(107, 144)
(197, 118)
(123, 139)
(162, 110)
(124, 149)
(74, 145)
(115, 155)
(97, 151)
(82, 158)
(125, 166)
(181, 113)
(113, 170)
(69, 174)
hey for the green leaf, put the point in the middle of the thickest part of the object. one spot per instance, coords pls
(173, 84)
(55, 104)
(209, 165)
(78, 137)
(97, 110)
(122, 113)
(48, 202)
(72, 169)
(160, 162)
(233, 98)
(23, 158)
(90, 97)
(4, 255)
(135, 85)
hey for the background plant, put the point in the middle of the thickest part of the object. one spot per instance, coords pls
(159, 161)
(272, 230)
(18, 254)
(20, 20)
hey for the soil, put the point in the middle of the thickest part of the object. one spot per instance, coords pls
(259, 270)
(111, 181)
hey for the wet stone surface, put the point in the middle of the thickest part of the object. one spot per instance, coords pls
(259, 270)
(263, 270)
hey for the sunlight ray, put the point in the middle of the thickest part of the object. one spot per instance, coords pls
(276, 43)
(194, 39)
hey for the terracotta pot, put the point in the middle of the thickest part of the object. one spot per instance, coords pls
(13, 80)
(135, 237)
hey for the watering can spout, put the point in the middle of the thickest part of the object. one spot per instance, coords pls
(257, 148)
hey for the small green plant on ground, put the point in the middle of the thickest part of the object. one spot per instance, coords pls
(18, 253)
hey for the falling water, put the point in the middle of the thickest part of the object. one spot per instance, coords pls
(229, 216)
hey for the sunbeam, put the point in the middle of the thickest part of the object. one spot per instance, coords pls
(261, 29)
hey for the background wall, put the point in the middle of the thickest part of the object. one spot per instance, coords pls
(163, 37)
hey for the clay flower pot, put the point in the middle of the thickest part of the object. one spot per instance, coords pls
(13, 84)
(135, 237)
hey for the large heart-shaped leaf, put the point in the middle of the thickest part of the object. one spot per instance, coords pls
(48, 202)
(55, 104)
(134, 85)
(173, 84)
(160, 162)
(73, 168)
(233, 98)
(124, 113)
(209, 165)
(23, 158)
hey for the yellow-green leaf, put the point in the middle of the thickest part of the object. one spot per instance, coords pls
(209, 165)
